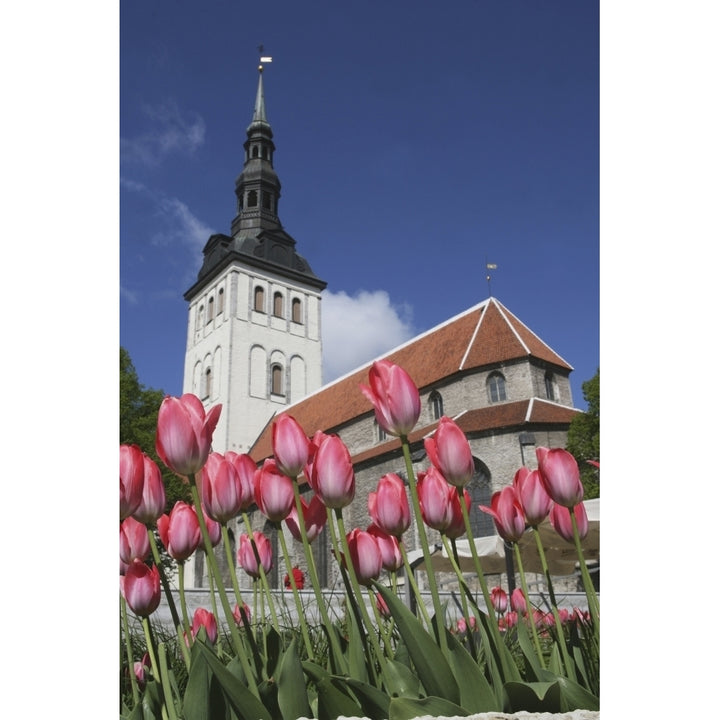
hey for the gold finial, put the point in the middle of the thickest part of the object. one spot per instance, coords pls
(263, 58)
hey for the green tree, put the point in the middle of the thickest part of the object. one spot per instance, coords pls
(584, 437)
(139, 408)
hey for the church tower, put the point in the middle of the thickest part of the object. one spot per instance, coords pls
(253, 341)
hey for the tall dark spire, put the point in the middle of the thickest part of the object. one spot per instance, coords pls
(257, 235)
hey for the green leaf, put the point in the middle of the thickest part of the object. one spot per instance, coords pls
(203, 698)
(333, 703)
(292, 693)
(475, 692)
(400, 680)
(533, 697)
(576, 697)
(528, 649)
(408, 708)
(357, 662)
(431, 665)
(375, 703)
(246, 705)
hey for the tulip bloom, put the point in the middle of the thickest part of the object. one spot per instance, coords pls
(456, 526)
(205, 619)
(560, 476)
(507, 513)
(389, 545)
(246, 554)
(314, 515)
(562, 522)
(214, 528)
(132, 477)
(449, 451)
(139, 667)
(518, 602)
(134, 541)
(274, 492)
(388, 506)
(180, 531)
(365, 556)
(184, 433)
(331, 473)
(291, 446)
(245, 468)
(298, 577)
(222, 490)
(435, 496)
(382, 606)
(238, 615)
(152, 505)
(499, 600)
(533, 497)
(141, 588)
(394, 396)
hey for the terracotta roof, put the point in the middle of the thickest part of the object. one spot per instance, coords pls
(486, 334)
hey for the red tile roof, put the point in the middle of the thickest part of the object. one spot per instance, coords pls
(485, 334)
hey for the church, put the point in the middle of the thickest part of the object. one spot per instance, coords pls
(254, 345)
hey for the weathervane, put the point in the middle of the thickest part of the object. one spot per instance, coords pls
(489, 267)
(263, 58)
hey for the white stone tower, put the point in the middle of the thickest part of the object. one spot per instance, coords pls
(253, 341)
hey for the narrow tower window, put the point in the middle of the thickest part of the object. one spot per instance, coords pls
(277, 380)
(208, 383)
(211, 308)
(266, 201)
(278, 304)
(221, 301)
(252, 198)
(296, 310)
(496, 387)
(549, 386)
(259, 302)
(436, 405)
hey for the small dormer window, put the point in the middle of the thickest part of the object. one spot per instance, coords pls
(496, 387)
(550, 386)
(436, 405)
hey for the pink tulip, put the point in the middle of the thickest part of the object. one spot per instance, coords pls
(365, 556)
(507, 513)
(152, 505)
(388, 506)
(140, 587)
(518, 602)
(214, 528)
(533, 497)
(222, 491)
(291, 446)
(509, 621)
(139, 667)
(330, 473)
(274, 492)
(238, 615)
(394, 396)
(246, 554)
(456, 526)
(435, 496)
(180, 531)
(314, 515)
(560, 476)
(205, 619)
(382, 606)
(449, 451)
(132, 477)
(392, 558)
(562, 522)
(134, 541)
(184, 433)
(245, 468)
(461, 626)
(499, 600)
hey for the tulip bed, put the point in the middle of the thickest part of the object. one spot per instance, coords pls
(380, 660)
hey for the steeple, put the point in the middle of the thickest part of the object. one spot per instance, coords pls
(257, 235)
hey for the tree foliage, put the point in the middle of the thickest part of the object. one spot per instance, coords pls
(584, 437)
(139, 408)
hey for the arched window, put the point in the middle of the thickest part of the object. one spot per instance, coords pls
(221, 301)
(259, 302)
(436, 405)
(479, 489)
(208, 383)
(379, 432)
(277, 380)
(211, 309)
(200, 317)
(496, 387)
(252, 198)
(266, 201)
(549, 386)
(278, 304)
(255, 151)
(296, 310)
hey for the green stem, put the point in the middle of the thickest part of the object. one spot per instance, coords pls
(530, 614)
(338, 659)
(165, 690)
(452, 554)
(183, 605)
(593, 605)
(229, 617)
(128, 651)
(163, 579)
(298, 604)
(559, 632)
(410, 577)
(425, 547)
(165, 678)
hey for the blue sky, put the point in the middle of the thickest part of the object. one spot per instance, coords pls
(413, 146)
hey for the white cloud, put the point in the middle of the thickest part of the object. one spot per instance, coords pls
(181, 225)
(172, 133)
(358, 329)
